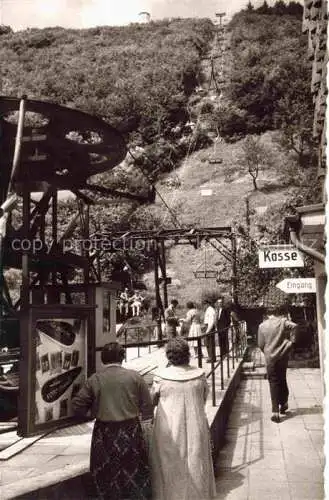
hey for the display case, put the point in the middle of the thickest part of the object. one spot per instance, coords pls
(55, 361)
(60, 346)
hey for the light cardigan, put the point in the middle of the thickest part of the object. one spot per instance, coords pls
(275, 337)
(114, 394)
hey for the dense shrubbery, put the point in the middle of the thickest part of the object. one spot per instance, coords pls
(269, 77)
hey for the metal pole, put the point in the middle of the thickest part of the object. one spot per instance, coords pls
(164, 274)
(234, 270)
(25, 256)
(221, 362)
(199, 353)
(18, 143)
(150, 337)
(227, 357)
(157, 288)
(139, 339)
(54, 226)
(233, 345)
(86, 236)
(212, 341)
(3, 221)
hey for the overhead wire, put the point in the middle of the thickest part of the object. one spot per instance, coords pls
(190, 149)
(173, 215)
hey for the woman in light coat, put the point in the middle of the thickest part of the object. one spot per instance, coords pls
(181, 460)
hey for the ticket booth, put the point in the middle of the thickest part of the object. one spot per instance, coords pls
(58, 346)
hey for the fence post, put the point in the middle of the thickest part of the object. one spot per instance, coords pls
(125, 344)
(138, 347)
(244, 335)
(227, 355)
(199, 353)
(221, 362)
(233, 345)
(150, 337)
(213, 347)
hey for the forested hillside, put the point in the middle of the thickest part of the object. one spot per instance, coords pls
(269, 79)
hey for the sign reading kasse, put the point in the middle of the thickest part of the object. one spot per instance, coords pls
(280, 256)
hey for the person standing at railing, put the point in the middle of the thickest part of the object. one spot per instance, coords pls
(171, 319)
(235, 324)
(223, 324)
(180, 450)
(210, 319)
(276, 336)
(192, 325)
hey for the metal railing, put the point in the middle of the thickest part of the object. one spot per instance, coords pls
(236, 346)
(140, 336)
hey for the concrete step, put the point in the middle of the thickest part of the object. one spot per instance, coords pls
(258, 373)
(248, 366)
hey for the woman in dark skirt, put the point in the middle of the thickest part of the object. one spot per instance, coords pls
(118, 458)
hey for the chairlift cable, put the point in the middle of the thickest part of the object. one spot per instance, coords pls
(191, 146)
(189, 152)
(173, 215)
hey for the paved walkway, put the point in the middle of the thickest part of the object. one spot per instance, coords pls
(64, 454)
(264, 460)
(260, 460)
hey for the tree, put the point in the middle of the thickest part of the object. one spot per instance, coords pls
(293, 113)
(230, 121)
(5, 30)
(255, 157)
(264, 9)
(268, 65)
(280, 8)
(295, 9)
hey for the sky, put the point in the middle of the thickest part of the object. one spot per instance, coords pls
(22, 14)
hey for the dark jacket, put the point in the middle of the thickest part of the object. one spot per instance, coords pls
(224, 320)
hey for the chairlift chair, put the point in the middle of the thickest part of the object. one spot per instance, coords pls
(205, 272)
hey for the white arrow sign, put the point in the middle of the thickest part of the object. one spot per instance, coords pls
(298, 285)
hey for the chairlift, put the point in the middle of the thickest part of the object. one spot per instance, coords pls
(205, 272)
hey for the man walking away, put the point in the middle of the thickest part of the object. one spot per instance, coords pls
(276, 336)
